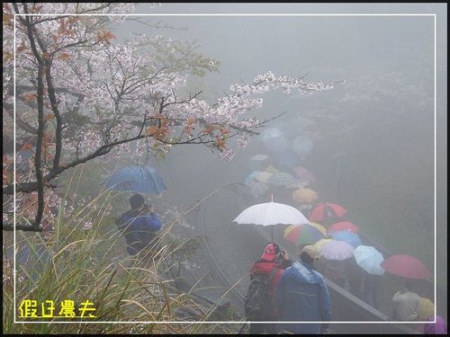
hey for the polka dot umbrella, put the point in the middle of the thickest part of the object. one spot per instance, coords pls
(281, 179)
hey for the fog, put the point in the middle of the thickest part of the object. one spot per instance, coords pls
(374, 136)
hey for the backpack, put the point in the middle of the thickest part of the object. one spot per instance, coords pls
(258, 302)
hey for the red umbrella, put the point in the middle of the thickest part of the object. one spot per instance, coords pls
(406, 266)
(342, 226)
(327, 212)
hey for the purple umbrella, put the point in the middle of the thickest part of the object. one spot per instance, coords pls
(336, 250)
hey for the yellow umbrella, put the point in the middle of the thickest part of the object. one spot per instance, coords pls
(271, 169)
(425, 309)
(304, 195)
(263, 176)
(319, 243)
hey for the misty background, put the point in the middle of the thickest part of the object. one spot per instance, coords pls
(374, 136)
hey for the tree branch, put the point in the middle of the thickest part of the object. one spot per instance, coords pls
(41, 121)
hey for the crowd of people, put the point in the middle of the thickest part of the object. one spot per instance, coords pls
(300, 294)
(297, 290)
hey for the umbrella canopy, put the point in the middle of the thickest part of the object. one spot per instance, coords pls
(305, 175)
(320, 243)
(327, 212)
(288, 160)
(369, 258)
(271, 132)
(322, 229)
(256, 188)
(277, 144)
(257, 162)
(140, 179)
(262, 176)
(336, 250)
(406, 266)
(303, 234)
(342, 226)
(259, 157)
(271, 213)
(250, 178)
(281, 179)
(347, 236)
(304, 195)
(302, 145)
(425, 308)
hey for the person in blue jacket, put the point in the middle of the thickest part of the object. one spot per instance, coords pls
(302, 295)
(139, 225)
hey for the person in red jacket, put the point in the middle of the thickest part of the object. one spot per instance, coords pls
(272, 258)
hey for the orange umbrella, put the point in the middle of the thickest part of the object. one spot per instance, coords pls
(304, 195)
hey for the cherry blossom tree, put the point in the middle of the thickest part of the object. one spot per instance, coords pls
(72, 94)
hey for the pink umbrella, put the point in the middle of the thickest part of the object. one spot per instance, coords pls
(304, 174)
(342, 226)
(406, 266)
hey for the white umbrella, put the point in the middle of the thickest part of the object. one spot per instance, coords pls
(271, 213)
(369, 258)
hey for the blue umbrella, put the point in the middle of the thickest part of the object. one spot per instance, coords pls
(140, 179)
(288, 160)
(369, 258)
(347, 236)
(256, 188)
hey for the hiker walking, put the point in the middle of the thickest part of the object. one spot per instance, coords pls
(260, 304)
(405, 303)
(139, 225)
(302, 295)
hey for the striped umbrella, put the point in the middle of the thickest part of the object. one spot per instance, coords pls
(303, 234)
(327, 213)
